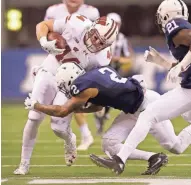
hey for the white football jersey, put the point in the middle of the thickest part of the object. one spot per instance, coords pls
(73, 29)
(60, 10)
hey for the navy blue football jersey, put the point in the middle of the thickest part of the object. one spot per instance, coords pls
(124, 94)
(171, 29)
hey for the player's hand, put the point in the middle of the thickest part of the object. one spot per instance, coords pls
(174, 73)
(151, 55)
(50, 46)
(29, 102)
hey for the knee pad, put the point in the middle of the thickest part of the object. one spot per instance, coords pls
(36, 116)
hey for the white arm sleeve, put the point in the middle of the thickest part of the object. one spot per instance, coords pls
(48, 14)
(59, 25)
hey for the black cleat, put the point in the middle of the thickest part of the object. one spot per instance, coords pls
(115, 164)
(156, 161)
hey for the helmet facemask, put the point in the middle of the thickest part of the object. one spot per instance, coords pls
(94, 42)
(101, 34)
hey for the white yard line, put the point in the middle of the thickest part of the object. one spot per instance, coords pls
(86, 165)
(93, 181)
(81, 156)
(4, 180)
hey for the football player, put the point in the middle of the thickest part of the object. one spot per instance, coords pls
(57, 11)
(104, 87)
(172, 19)
(88, 45)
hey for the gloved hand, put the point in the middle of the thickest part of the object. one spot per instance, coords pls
(50, 46)
(29, 102)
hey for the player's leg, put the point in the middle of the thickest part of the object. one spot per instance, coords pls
(112, 143)
(187, 116)
(117, 133)
(62, 129)
(164, 133)
(86, 136)
(44, 91)
(168, 106)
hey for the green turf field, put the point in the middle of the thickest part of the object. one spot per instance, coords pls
(48, 167)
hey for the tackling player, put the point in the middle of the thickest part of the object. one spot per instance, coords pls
(88, 45)
(104, 87)
(62, 10)
(172, 19)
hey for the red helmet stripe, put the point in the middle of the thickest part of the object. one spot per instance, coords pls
(112, 31)
(110, 28)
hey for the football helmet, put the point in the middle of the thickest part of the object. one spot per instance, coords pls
(170, 9)
(101, 34)
(66, 74)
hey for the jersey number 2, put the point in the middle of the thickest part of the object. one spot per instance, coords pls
(171, 26)
(113, 75)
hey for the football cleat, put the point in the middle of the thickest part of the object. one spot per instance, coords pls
(156, 161)
(70, 151)
(115, 163)
(23, 169)
(86, 143)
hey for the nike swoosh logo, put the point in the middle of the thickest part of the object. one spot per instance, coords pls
(121, 166)
(158, 161)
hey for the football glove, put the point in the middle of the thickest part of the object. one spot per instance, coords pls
(50, 46)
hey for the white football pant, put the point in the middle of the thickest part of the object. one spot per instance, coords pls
(124, 123)
(168, 106)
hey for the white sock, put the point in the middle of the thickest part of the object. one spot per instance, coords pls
(29, 138)
(140, 155)
(184, 141)
(137, 135)
(85, 132)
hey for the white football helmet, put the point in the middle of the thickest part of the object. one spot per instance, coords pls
(101, 34)
(66, 74)
(116, 17)
(171, 9)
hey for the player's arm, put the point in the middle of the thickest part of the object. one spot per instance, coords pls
(183, 37)
(90, 109)
(42, 30)
(153, 56)
(70, 106)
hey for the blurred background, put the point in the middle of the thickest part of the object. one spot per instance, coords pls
(21, 51)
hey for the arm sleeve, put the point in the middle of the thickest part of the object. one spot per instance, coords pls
(59, 25)
(48, 14)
